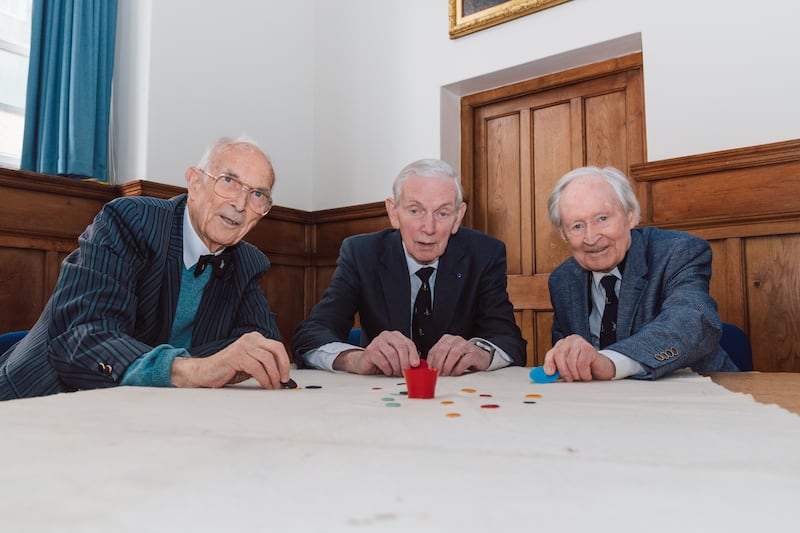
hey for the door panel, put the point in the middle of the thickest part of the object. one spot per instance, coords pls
(518, 141)
(501, 194)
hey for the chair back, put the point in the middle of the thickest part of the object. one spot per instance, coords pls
(737, 344)
(354, 337)
(7, 340)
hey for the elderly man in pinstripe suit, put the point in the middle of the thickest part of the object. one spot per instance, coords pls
(162, 292)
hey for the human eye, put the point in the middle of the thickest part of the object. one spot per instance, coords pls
(414, 211)
(443, 214)
(576, 227)
(603, 220)
(228, 180)
(258, 195)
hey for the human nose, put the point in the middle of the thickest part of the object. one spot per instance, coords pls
(590, 235)
(239, 200)
(429, 223)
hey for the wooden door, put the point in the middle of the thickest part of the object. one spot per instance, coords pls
(517, 141)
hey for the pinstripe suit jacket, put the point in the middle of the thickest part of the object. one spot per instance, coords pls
(115, 300)
(667, 319)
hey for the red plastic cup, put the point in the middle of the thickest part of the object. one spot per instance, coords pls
(421, 382)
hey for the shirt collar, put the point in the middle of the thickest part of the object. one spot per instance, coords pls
(193, 247)
(597, 276)
(616, 272)
(413, 265)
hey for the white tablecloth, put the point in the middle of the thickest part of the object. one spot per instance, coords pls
(679, 454)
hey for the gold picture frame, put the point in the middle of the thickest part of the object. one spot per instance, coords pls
(468, 16)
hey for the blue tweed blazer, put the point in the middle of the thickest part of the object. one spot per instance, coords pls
(667, 319)
(115, 300)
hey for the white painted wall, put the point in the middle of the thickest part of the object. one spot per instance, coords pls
(212, 69)
(129, 104)
(343, 94)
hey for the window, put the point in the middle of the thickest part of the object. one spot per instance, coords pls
(15, 37)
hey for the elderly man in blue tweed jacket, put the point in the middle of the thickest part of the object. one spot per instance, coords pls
(162, 292)
(630, 302)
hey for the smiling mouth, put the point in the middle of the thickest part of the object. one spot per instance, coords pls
(230, 221)
(596, 251)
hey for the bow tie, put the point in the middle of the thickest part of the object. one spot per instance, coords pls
(218, 262)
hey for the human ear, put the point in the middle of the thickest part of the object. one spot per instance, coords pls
(462, 210)
(391, 210)
(192, 177)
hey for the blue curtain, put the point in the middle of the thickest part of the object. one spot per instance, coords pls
(69, 87)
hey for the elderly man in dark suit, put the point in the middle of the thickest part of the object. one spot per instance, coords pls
(425, 289)
(630, 301)
(162, 292)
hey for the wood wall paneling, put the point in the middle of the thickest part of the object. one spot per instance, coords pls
(283, 286)
(772, 191)
(22, 286)
(333, 225)
(40, 221)
(51, 215)
(773, 306)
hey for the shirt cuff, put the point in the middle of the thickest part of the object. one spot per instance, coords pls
(323, 357)
(500, 359)
(625, 366)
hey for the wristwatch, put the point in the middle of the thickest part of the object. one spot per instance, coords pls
(483, 345)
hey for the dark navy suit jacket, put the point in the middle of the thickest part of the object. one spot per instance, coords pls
(666, 319)
(372, 279)
(115, 300)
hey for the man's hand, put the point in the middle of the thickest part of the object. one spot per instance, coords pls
(251, 355)
(577, 360)
(454, 355)
(388, 354)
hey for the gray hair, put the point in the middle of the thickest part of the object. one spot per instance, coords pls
(224, 142)
(618, 181)
(428, 168)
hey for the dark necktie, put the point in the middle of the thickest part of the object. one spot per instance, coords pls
(608, 324)
(218, 262)
(423, 314)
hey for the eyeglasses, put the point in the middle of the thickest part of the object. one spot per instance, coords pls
(226, 186)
